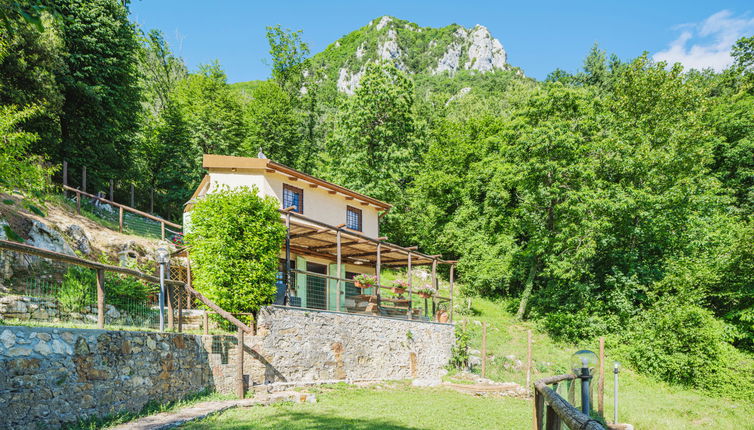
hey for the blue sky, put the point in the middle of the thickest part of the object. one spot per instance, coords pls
(539, 36)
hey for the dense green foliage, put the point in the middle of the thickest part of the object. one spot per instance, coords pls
(587, 201)
(235, 240)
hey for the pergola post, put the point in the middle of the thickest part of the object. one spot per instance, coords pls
(452, 273)
(434, 285)
(378, 269)
(338, 266)
(287, 273)
(410, 288)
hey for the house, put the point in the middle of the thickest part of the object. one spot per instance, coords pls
(332, 236)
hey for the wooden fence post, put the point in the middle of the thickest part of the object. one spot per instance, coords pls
(206, 322)
(65, 178)
(162, 230)
(484, 349)
(83, 179)
(528, 360)
(100, 298)
(552, 419)
(78, 203)
(601, 383)
(539, 403)
(132, 196)
(151, 201)
(169, 297)
(112, 190)
(180, 309)
(120, 219)
(240, 390)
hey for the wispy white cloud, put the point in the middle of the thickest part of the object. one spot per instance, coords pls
(707, 44)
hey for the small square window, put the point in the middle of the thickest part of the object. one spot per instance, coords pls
(293, 196)
(353, 218)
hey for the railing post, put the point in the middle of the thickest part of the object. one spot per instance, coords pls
(83, 178)
(552, 419)
(65, 178)
(378, 269)
(132, 196)
(240, 389)
(120, 219)
(528, 360)
(287, 273)
(112, 189)
(180, 309)
(434, 285)
(452, 274)
(539, 403)
(78, 202)
(338, 269)
(162, 230)
(100, 299)
(410, 289)
(169, 298)
(206, 322)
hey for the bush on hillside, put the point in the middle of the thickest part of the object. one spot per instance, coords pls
(235, 239)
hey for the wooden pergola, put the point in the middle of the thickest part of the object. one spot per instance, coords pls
(339, 244)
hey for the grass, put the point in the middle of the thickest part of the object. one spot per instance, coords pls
(395, 406)
(150, 409)
(644, 402)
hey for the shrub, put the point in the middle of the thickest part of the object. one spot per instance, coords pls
(78, 289)
(677, 342)
(235, 240)
(460, 353)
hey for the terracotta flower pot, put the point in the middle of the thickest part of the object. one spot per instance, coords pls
(358, 284)
(399, 290)
(424, 295)
(442, 316)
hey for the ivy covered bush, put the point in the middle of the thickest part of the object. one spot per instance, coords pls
(235, 238)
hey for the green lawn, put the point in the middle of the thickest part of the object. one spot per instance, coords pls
(396, 407)
(644, 402)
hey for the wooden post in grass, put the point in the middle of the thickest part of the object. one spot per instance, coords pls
(539, 403)
(162, 230)
(83, 179)
(206, 322)
(78, 203)
(120, 219)
(112, 190)
(132, 196)
(484, 349)
(100, 299)
(528, 360)
(65, 178)
(239, 366)
(601, 383)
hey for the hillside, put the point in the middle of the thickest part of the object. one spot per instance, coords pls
(416, 50)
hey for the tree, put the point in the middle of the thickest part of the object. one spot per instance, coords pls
(373, 149)
(288, 52)
(235, 263)
(273, 125)
(160, 70)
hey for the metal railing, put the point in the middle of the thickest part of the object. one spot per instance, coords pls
(319, 291)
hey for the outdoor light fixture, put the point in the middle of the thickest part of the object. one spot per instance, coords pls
(162, 259)
(616, 369)
(583, 364)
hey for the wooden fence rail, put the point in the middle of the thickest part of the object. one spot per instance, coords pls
(552, 410)
(121, 209)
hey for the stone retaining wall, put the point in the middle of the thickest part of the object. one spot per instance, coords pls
(49, 376)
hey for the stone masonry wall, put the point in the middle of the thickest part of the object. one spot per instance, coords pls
(304, 345)
(50, 376)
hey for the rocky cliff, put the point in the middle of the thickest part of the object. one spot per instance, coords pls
(411, 48)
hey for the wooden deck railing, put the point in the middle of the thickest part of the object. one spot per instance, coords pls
(121, 208)
(551, 411)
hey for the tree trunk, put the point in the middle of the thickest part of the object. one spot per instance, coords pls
(528, 287)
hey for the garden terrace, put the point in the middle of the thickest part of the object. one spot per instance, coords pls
(339, 246)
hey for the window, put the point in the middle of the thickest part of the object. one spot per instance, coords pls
(293, 196)
(353, 218)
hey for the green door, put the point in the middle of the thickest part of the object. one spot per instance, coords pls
(333, 288)
(316, 286)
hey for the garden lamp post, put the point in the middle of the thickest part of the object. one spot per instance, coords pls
(162, 259)
(616, 369)
(583, 364)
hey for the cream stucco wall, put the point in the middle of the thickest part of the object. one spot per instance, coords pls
(318, 203)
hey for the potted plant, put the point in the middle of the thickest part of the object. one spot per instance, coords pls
(442, 313)
(425, 291)
(365, 281)
(399, 286)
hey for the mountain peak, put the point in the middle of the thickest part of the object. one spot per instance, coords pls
(411, 48)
